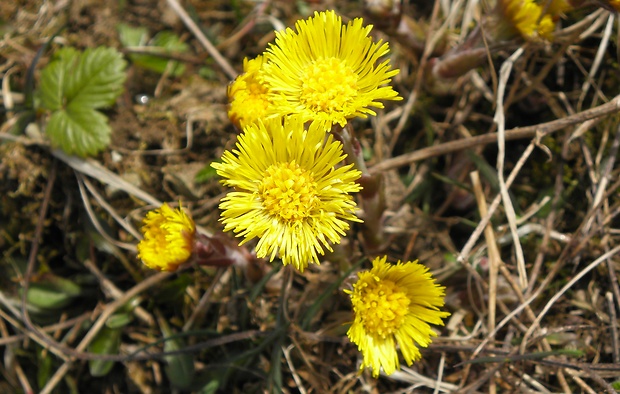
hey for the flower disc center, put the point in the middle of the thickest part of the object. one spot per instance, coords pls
(328, 85)
(288, 191)
(383, 307)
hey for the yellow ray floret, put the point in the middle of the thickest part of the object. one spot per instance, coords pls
(327, 71)
(168, 238)
(288, 191)
(394, 304)
(525, 17)
(248, 95)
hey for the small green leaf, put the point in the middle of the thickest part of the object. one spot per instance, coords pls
(44, 370)
(170, 42)
(205, 174)
(207, 73)
(164, 42)
(107, 341)
(210, 388)
(119, 320)
(52, 292)
(180, 367)
(132, 36)
(79, 130)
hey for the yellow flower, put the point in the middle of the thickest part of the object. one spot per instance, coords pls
(557, 7)
(288, 191)
(326, 71)
(168, 238)
(394, 304)
(524, 15)
(247, 95)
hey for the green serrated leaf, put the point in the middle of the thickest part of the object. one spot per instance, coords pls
(107, 341)
(92, 79)
(78, 130)
(73, 85)
(53, 79)
(97, 79)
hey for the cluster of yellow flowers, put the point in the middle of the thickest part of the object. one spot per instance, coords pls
(291, 190)
(324, 71)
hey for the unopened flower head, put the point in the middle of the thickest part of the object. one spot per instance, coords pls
(247, 95)
(289, 192)
(327, 71)
(168, 238)
(524, 17)
(394, 304)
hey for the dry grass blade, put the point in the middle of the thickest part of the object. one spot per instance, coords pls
(500, 120)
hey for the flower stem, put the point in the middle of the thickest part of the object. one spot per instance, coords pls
(372, 194)
(220, 251)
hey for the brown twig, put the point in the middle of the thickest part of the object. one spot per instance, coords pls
(34, 250)
(494, 255)
(429, 45)
(78, 352)
(212, 50)
(512, 134)
(250, 22)
(611, 307)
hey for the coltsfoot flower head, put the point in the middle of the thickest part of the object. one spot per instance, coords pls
(168, 238)
(288, 191)
(524, 17)
(327, 71)
(394, 303)
(248, 95)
